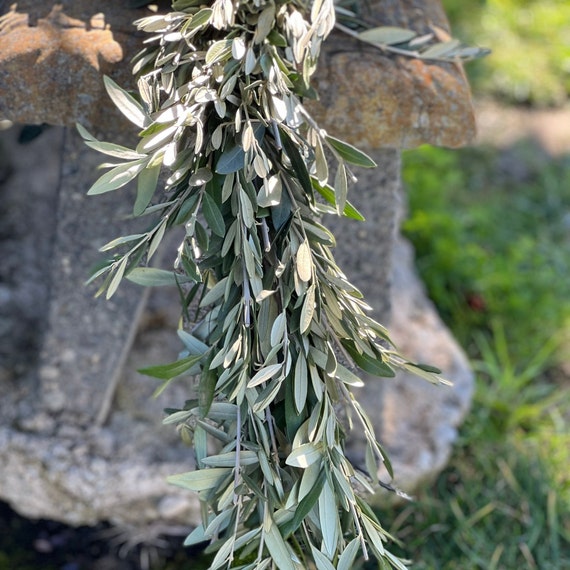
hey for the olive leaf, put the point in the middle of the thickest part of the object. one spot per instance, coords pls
(147, 181)
(168, 371)
(231, 160)
(152, 277)
(213, 215)
(110, 149)
(389, 35)
(125, 102)
(117, 177)
(350, 153)
(201, 480)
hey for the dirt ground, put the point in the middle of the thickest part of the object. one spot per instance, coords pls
(503, 126)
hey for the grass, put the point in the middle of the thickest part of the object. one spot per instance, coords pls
(492, 510)
(493, 243)
(503, 502)
(530, 60)
(492, 240)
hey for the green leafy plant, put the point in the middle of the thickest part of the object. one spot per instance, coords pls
(272, 329)
(530, 64)
(490, 246)
(504, 500)
(490, 230)
(496, 507)
(507, 391)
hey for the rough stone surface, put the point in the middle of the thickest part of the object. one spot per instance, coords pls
(364, 250)
(85, 334)
(52, 57)
(78, 442)
(417, 421)
(66, 452)
(25, 254)
(379, 101)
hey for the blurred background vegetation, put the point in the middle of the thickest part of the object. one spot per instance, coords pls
(491, 228)
(530, 40)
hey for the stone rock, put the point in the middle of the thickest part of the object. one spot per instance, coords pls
(380, 101)
(417, 421)
(53, 56)
(25, 254)
(364, 250)
(64, 460)
(80, 437)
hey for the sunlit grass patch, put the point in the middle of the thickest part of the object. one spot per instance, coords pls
(492, 235)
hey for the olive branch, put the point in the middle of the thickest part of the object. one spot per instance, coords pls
(278, 331)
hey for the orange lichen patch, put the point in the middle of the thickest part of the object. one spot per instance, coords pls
(422, 72)
(377, 100)
(51, 71)
(59, 33)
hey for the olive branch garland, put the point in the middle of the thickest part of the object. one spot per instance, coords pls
(278, 329)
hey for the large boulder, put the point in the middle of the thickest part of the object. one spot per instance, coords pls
(80, 436)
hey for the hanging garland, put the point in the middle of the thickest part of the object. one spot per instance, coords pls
(273, 330)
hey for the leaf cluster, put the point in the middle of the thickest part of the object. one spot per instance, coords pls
(437, 45)
(277, 331)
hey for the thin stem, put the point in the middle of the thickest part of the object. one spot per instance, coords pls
(299, 549)
(338, 344)
(359, 530)
(269, 420)
(246, 291)
(383, 47)
(237, 467)
(265, 506)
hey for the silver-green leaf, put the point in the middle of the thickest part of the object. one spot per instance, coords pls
(126, 103)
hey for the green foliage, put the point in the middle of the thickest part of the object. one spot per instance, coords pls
(491, 245)
(504, 501)
(530, 43)
(510, 396)
(496, 509)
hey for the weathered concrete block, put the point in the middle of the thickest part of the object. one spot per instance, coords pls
(80, 439)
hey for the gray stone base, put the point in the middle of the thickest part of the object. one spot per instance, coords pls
(81, 438)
